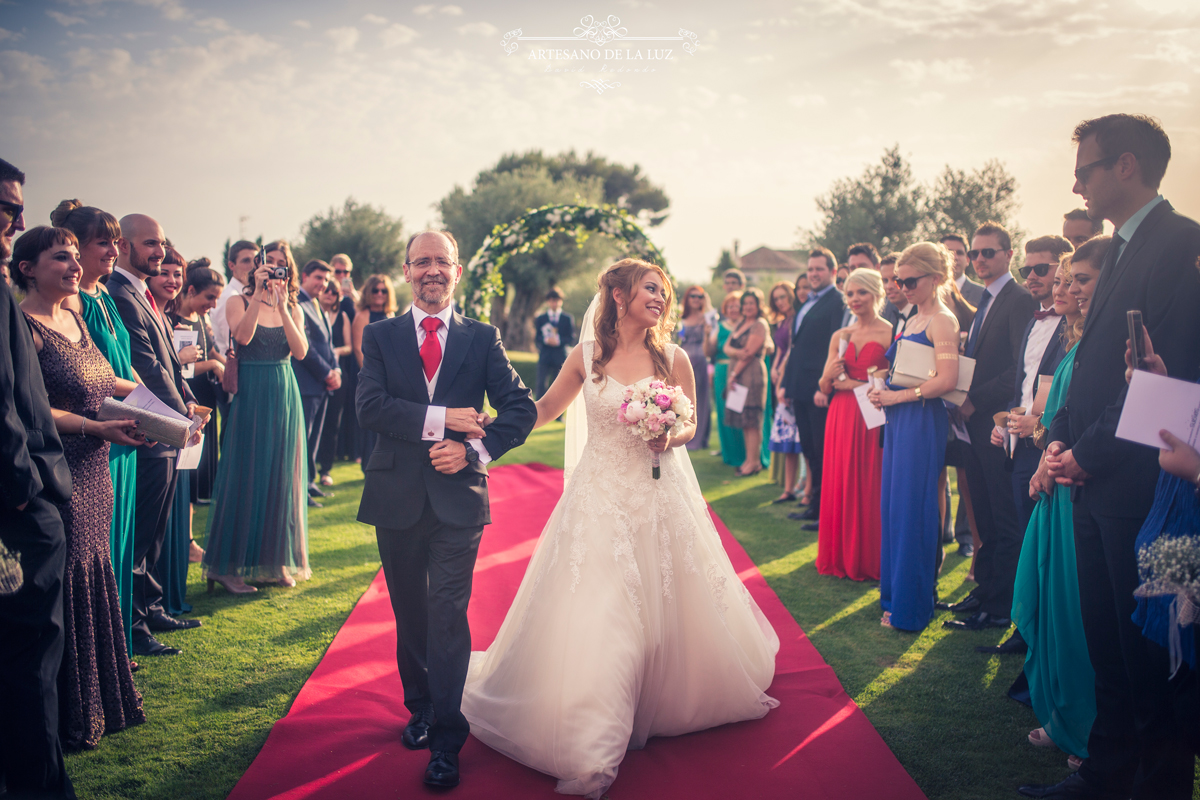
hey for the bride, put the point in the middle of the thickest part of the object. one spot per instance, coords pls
(630, 621)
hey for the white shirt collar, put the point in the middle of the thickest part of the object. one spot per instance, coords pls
(960, 281)
(444, 315)
(138, 281)
(1131, 225)
(236, 285)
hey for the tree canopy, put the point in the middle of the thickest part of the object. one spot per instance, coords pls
(372, 238)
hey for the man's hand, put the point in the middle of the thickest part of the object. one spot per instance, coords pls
(998, 437)
(464, 420)
(1178, 458)
(333, 381)
(1023, 425)
(448, 456)
(191, 410)
(1064, 469)
(966, 409)
(1152, 362)
(820, 399)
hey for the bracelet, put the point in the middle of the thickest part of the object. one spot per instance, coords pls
(946, 357)
(917, 389)
(83, 427)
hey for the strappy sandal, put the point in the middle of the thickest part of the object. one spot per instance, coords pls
(786, 497)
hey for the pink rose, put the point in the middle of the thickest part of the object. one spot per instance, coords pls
(655, 424)
(662, 401)
(657, 385)
(670, 418)
(635, 413)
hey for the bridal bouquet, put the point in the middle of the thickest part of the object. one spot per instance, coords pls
(652, 408)
(1170, 565)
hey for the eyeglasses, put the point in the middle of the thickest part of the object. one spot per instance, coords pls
(1040, 269)
(11, 210)
(695, 297)
(987, 252)
(426, 263)
(909, 283)
(379, 290)
(341, 272)
(1082, 174)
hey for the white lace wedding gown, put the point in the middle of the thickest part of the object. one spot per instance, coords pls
(630, 621)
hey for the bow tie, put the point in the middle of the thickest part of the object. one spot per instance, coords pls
(1041, 315)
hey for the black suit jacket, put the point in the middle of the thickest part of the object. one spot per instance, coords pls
(31, 454)
(997, 352)
(1051, 357)
(1157, 275)
(810, 347)
(152, 351)
(566, 335)
(392, 401)
(320, 360)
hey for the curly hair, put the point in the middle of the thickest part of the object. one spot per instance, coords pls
(625, 275)
(293, 278)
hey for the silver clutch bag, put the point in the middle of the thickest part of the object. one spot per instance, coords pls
(157, 427)
(915, 364)
(11, 576)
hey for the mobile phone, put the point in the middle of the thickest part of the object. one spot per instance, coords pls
(1137, 341)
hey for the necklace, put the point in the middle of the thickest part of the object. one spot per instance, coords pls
(103, 310)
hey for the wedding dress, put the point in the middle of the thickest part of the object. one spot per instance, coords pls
(630, 621)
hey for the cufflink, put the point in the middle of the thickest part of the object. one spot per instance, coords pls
(429, 433)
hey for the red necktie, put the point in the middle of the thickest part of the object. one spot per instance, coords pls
(150, 298)
(431, 349)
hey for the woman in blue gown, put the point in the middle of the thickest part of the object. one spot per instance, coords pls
(914, 449)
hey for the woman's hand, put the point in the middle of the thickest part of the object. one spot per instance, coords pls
(1023, 425)
(1179, 458)
(218, 369)
(820, 399)
(262, 276)
(998, 435)
(189, 354)
(835, 368)
(886, 397)
(117, 431)
(660, 443)
(1041, 482)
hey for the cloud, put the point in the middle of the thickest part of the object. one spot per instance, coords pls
(396, 34)
(374, 19)
(952, 70)
(344, 39)
(424, 11)
(213, 24)
(66, 20)
(451, 11)
(807, 101)
(478, 28)
(302, 23)
(6, 34)
(925, 99)
(173, 10)
(1173, 52)
(1166, 92)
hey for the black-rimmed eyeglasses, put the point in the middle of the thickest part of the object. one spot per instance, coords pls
(11, 210)
(1041, 270)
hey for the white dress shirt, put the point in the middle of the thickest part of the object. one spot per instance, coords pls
(435, 416)
(1035, 348)
(960, 281)
(994, 290)
(220, 324)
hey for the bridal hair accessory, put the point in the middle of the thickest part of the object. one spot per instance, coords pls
(652, 408)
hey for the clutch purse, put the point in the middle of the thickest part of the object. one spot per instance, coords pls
(915, 364)
(229, 378)
(157, 427)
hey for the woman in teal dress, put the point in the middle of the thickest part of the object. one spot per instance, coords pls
(733, 445)
(98, 232)
(258, 525)
(1046, 606)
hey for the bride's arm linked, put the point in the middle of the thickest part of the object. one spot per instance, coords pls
(564, 389)
(681, 375)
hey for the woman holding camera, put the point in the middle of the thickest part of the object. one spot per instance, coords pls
(258, 527)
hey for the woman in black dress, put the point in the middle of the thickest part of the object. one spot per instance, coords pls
(378, 302)
(340, 323)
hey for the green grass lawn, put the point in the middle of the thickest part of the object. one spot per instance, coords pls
(940, 706)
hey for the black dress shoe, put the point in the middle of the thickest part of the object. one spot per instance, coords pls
(967, 605)
(1013, 645)
(416, 732)
(812, 526)
(966, 549)
(797, 515)
(812, 513)
(442, 769)
(1073, 787)
(978, 622)
(165, 622)
(314, 504)
(315, 491)
(153, 647)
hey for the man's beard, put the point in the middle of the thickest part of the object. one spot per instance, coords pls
(433, 293)
(143, 265)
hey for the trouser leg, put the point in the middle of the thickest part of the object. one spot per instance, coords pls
(155, 491)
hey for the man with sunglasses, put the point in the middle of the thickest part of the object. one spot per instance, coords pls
(971, 290)
(1136, 746)
(995, 337)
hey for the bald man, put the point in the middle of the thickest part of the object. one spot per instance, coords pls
(141, 250)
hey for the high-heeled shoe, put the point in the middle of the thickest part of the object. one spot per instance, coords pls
(287, 582)
(231, 587)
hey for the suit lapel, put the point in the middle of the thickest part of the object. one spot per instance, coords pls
(156, 321)
(815, 307)
(458, 340)
(1109, 279)
(993, 312)
(404, 344)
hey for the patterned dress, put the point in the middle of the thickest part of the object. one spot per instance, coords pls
(96, 692)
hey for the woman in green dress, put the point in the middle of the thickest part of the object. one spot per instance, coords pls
(258, 525)
(98, 232)
(733, 445)
(1046, 606)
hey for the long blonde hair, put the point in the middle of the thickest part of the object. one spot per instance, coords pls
(625, 275)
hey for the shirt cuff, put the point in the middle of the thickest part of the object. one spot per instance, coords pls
(435, 424)
(484, 455)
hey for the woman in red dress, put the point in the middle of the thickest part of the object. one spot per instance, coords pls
(848, 538)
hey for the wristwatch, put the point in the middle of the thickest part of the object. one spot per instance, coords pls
(472, 454)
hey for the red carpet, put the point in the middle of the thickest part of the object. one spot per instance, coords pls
(341, 738)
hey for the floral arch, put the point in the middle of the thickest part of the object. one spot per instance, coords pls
(530, 233)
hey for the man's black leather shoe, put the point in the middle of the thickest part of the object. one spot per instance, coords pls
(966, 549)
(153, 647)
(812, 526)
(1074, 787)
(164, 622)
(316, 491)
(416, 732)
(978, 622)
(442, 769)
(797, 515)
(967, 605)
(314, 504)
(812, 513)
(1013, 645)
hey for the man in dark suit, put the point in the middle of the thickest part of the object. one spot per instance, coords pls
(152, 351)
(1040, 351)
(1004, 311)
(33, 477)
(554, 334)
(817, 320)
(318, 374)
(897, 308)
(1136, 747)
(1078, 227)
(426, 482)
(971, 290)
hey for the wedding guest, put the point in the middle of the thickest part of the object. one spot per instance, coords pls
(897, 309)
(1078, 227)
(377, 302)
(746, 346)
(142, 247)
(848, 539)
(784, 437)
(202, 288)
(318, 373)
(339, 324)
(258, 523)
(971, 290)
(1135, 746)
(349, 433)
(554, 335)
(343, 278)
(734, 280)
(862, 255)
(1004, 311)
(34, 479)
(915, 445)
(694, 329)
(97, 233)
(733, 446)
(1046, 608)
(97, 694)
(816, 321)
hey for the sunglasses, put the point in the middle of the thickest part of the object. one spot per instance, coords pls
(909, 283)
(987, 252)
(11, 210)
(341, 272)
(1082, 174)
(1040, 270)
(379, 290)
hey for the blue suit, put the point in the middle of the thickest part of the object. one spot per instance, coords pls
(311, 372)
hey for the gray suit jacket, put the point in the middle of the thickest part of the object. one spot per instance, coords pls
(972, 292)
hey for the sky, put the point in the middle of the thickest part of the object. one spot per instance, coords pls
(229, 118)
